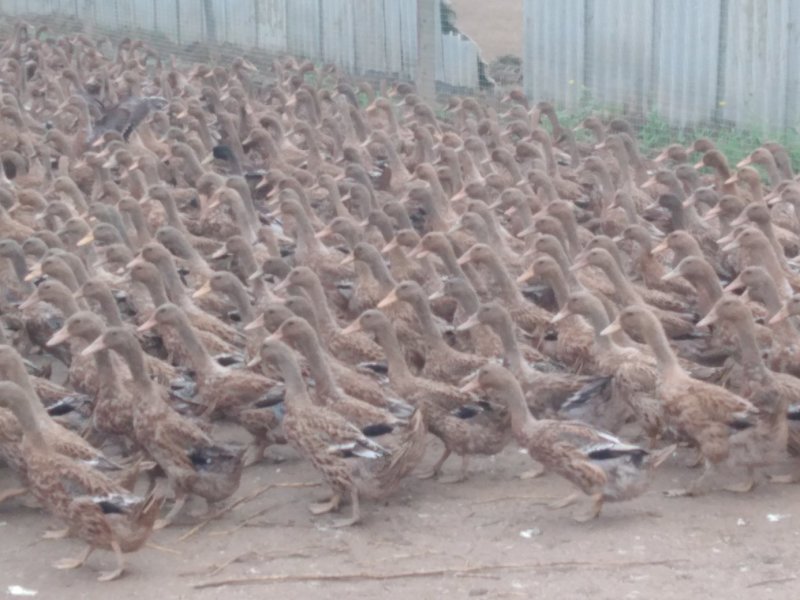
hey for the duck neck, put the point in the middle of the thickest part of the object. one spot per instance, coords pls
(665, 357)
(238, 293)
(158, 294)
(398, 369)
(19, 265)
(109, 308)
(621, 284)
(143, 234)
(172, 281)
(559, 285)
(511, 353)
(201, 360)
(321, 308)
(506, 288)
(29, 420)
(296, 392)
(450, 261)
(430, 332)
(769, 295)
(173, 216)
(318, 365)
(521, 416)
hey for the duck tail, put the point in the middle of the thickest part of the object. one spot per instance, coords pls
(150, 510)
(407, 455)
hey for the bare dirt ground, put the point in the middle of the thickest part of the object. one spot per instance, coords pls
(496, 25)
(490, 536)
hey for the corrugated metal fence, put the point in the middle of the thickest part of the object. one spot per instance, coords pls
(690, 61)
(364, 37)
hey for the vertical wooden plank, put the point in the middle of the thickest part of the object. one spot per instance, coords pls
(272, 25)
(428, 40)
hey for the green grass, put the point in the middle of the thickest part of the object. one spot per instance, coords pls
(654, 132)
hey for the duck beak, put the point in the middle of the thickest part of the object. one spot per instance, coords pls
(256, 323)
(712, 212)
(463, 259)
(649, 183)
(36, 272)
(740, 220)
(779, 316)
(674, 274)
(743, 163)
(59, 337)
(349, 259)
(86, 240)
(324, 232)
(661, 157)
(149, 324)
(579, 264)
(221, 253)
(207, 160)
(731, 246)
(135, 262)
(29, 301)
(690, 201)
(282, 285)
(391, 298)
(732, 179)
(389, 247)
(560, 316)
(254, 362)
(473, 385)
(418, 252)
(354, 327)
(469, 323)
(529, 274)
(773, 199)
(600, 146)
(204, 290)
(256, 276)
(709, 319)
(612, 328)
(734, 285)
(662, 246)
(699, 164)
(96, 346)
(438, 294)
(110, 163)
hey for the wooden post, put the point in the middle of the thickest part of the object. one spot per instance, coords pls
(426, 49)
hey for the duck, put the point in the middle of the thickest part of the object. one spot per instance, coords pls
(710, 416)
(771, 393)
(353, 461)
(237, 394)
(464, 426)
(442, 361)
(191, 460)
(352, 349)
(601, 465)
(95, 508)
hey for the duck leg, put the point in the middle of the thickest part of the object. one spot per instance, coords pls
(356, 514)
(332, 505)
(699, 486)
(462, 474)
(437, 468)
(177, 507)
(12, 493)
(533, 473)
(112, 575)
(74, 563)
(55, 534)
(595, 506)
(565, 501)
(744, 486)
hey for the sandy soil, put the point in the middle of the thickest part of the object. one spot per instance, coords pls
(722, 545)
(496, 25)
